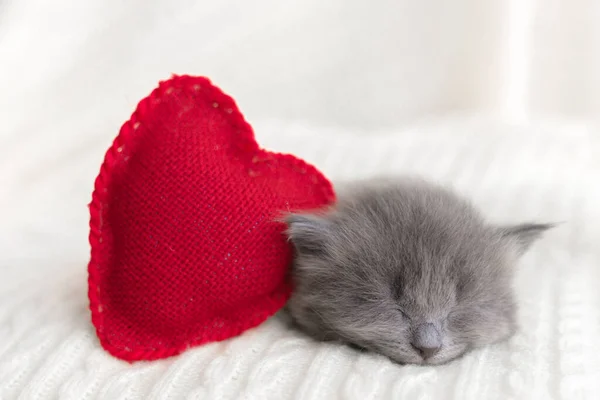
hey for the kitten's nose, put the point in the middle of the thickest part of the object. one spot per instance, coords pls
(427, 352)
(427, 340)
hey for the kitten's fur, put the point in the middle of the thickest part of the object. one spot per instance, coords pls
(407, 269)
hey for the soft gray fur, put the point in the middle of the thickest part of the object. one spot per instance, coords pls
(407, 269)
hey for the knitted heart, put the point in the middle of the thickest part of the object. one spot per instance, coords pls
(185, 246)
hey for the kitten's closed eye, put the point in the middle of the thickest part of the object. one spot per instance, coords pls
(407, 269)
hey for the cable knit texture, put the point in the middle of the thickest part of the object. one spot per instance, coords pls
(542, 171)
(186, 248)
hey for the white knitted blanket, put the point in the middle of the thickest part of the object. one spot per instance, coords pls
(543, 171)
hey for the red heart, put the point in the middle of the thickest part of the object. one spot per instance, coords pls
(185, 249)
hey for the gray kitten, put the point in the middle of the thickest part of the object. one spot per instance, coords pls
(406, 269)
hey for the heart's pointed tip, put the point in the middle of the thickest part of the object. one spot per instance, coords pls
(142, 349)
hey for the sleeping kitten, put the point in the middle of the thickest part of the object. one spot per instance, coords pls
(406, 269)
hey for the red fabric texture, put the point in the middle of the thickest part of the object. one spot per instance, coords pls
(185, 246)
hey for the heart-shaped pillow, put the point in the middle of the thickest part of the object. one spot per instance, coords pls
(185, 243)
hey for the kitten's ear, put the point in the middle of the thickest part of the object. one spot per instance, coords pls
(308, 232)
(524, 235)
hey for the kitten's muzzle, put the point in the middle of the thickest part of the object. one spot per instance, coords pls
(427, 340)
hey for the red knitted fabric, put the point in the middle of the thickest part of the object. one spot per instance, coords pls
(185, 249)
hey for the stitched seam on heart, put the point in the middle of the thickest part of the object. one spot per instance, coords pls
(245, 144)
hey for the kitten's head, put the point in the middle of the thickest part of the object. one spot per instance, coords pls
(406, 269)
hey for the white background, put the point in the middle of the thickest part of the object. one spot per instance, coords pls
(354, 63)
